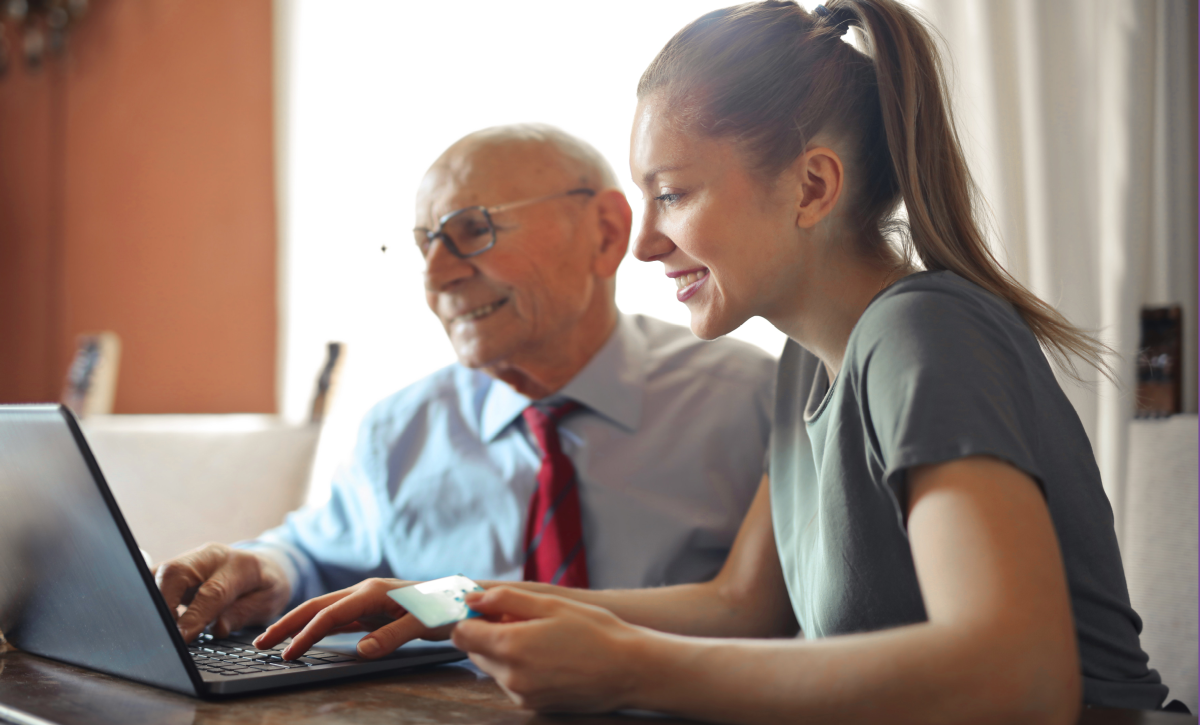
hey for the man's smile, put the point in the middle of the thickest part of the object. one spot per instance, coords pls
(479, 312)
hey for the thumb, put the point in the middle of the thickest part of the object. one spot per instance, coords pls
(390, 636)
(508, 605)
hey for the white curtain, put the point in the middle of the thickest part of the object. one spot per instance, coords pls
(1079, 121)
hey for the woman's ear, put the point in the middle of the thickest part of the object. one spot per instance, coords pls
(818, 178)
(615, 220)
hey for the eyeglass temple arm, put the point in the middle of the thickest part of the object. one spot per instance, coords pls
(548, 197)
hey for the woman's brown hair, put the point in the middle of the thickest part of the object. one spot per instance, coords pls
(771, 76)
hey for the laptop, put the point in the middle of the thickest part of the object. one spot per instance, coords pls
(75, 588)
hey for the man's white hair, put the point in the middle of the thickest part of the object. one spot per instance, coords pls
(592, 168)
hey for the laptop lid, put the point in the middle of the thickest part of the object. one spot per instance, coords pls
(73, 585)
(75, 588)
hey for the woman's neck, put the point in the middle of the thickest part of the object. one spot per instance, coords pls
(828, 306)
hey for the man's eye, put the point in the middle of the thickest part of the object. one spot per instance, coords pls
(467, 227)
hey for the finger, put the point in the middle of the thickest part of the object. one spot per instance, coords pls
(223, 588)
(176, 580)
(294, 621)
(366, 601)
(390, 636)
(514, 604)
(253, 608)
(498, 670)
(480, 637)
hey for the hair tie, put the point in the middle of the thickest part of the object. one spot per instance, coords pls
(841, 20)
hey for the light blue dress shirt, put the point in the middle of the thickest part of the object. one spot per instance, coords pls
(668, 449)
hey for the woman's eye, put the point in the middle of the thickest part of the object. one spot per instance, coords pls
(668, 198)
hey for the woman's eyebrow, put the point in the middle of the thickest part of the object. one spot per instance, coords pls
(648, 177)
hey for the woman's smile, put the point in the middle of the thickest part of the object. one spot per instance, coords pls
(688, 282)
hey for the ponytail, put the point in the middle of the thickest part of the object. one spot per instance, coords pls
(771, 76)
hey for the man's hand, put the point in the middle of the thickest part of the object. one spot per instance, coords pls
(218, 583)
(362, 607)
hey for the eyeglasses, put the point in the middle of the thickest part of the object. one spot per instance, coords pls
(470, 232)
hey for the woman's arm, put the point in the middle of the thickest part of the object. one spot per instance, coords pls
(747, 598)
(999, 645)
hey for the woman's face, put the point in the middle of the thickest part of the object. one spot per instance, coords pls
(728, 239)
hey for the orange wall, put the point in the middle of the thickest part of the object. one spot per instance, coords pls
(137, 195)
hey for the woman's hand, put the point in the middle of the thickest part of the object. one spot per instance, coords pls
(362, 607)
(552, 654)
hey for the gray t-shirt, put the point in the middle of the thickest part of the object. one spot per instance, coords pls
(938, 369)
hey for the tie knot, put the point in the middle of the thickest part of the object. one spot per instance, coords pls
(543, 423)
(551, 414)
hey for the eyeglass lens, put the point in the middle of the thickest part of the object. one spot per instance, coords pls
(469, 232)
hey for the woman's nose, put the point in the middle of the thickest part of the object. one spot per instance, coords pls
(651, 244)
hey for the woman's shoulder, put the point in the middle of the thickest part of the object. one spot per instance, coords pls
(939, 309)
(924, 292)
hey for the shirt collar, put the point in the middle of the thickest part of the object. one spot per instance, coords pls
(612, 385)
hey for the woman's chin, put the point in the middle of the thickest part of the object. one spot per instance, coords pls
(709, 327)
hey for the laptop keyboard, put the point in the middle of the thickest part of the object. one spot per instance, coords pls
(229, 659)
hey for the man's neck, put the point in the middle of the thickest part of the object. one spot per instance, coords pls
(543, 372)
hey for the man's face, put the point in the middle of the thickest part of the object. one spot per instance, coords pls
(526, 293)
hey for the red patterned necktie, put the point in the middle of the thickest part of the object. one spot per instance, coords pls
(554, 550)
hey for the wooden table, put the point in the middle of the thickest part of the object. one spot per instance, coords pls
(457, 693)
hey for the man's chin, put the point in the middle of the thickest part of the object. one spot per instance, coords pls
(479, 356)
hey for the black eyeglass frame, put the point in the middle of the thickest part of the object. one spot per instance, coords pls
(433, 234)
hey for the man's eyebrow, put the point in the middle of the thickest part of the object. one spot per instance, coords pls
(649, 175)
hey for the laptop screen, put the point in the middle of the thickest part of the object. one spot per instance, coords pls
(72, 584)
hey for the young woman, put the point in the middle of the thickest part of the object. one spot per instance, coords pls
(933, 521)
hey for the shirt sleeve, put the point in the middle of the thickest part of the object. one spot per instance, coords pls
(944, 377)
(336, 544)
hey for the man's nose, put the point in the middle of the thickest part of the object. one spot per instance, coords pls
(651, 244)
(443, 269)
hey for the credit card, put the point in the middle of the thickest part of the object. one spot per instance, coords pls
(437, 602)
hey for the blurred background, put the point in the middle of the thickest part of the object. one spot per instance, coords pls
(211, 181)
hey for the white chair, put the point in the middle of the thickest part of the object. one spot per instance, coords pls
(1159, 547)
(183, 480)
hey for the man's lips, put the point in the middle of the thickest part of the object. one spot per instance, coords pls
(479, 312)
(688, 281)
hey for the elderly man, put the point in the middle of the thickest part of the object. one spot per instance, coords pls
(571, 443)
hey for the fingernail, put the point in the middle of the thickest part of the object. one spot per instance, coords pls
(257, 641)
(368, 647)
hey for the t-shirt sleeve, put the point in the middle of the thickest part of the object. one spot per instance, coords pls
(944, 377)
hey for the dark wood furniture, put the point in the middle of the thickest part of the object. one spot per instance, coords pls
(51, 692)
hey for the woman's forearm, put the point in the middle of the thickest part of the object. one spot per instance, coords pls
(920, 674)
(698, 610)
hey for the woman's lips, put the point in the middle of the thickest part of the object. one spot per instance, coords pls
(688, 283)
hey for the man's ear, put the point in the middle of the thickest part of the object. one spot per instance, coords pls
(818, 176)
(614, 220)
